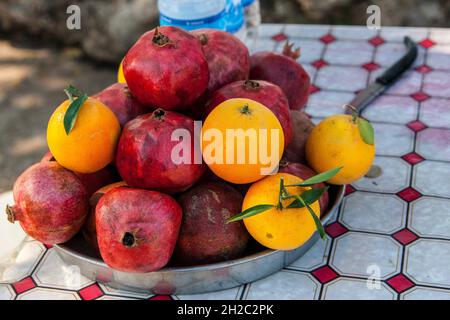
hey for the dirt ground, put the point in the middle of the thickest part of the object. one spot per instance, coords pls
(32, 80)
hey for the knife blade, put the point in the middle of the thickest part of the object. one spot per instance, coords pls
(366, 96)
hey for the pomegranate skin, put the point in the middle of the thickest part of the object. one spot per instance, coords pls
(261, 91)
(137, 229)
(304, 172)
(228, 58)
(285, 72)
(144, 153)
(302, 127)
(51, 203)
(166, 68)
(92, 181)
(119, 99)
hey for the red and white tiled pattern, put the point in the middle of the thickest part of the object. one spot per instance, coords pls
(391, 238)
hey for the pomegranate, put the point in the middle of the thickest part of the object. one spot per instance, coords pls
(92, 181)
(137, 229)
(284, 71)
(228, 58)
(144, 154)
(304, 172)
(119, 99)
(302, 127)
(89, 230)
(261, 91)
(204, 236)
(166, 68)
(51, 203)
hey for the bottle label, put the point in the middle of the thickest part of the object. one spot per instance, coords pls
(215, 21)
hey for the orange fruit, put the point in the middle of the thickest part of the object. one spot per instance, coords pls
(120, 75)
(337, 142)
(91, 144)
(279, 229)
(242, 141)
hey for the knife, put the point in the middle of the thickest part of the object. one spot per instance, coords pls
(364, 97)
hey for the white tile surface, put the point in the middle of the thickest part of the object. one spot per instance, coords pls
(394, 177)
(353, 33)
(306, 31)
(421, 293)
(430, 217)
(6, 292)
(398, 33)
(434, 144)
(373, 212)
(53, 272)
(427, 262)
(435, 112)
(393, 109)
(349, 53)
(393, 139)
(364, 251)
(326, 103)
(355, 289)
(314, 258)
(437, 84)
(342, 78)
(48, 294)
(439, 57)
(432, 178)
(285, 285)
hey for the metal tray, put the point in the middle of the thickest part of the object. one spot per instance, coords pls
(257, 263)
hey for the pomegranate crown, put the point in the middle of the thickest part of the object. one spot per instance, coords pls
(289, 52)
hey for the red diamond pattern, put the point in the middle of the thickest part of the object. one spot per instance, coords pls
(427, 43)
(420, 96)
(90, 293)
(313, 89)
(371, 66)
(413, 158)
(319, 64)
(376, 41)
(400, 283)
(325, 274)
(279, 37)
(160, 297)
(424, 69)
(24, 285)
(335, 229)
(416, 126)
(328, 38)
(405, 236)
(409, 194)
(349, 189)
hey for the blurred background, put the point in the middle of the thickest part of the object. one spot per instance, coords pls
(39, 56)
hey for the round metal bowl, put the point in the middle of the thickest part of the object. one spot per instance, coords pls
(257, 263)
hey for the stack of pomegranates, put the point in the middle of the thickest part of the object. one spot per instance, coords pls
(150, 210)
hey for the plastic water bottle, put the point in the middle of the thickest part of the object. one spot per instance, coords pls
(252, 16)
(193, 14)
(235, 21)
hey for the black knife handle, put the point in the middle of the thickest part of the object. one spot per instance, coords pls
(401, 65)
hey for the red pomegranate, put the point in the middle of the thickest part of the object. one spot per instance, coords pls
(146, 150)
(89, 229)
(304, 172)
(261, 91)
(166, 68)
(51, 203)
(302, 127)
(137, 229)
(284, 71)
(228, 58)
(119, 99)
(92, 181)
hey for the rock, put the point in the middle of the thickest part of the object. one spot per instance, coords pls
(108, 28)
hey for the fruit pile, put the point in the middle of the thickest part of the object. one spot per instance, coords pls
(147, 184)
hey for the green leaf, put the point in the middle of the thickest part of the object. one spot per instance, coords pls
(321, 177)
(366, 131)
(281, 194)
(72, 113)
(73, 92)
(251, 212)
(317, 221)
(308, 196)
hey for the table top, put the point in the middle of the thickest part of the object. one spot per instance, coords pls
(391, 238)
